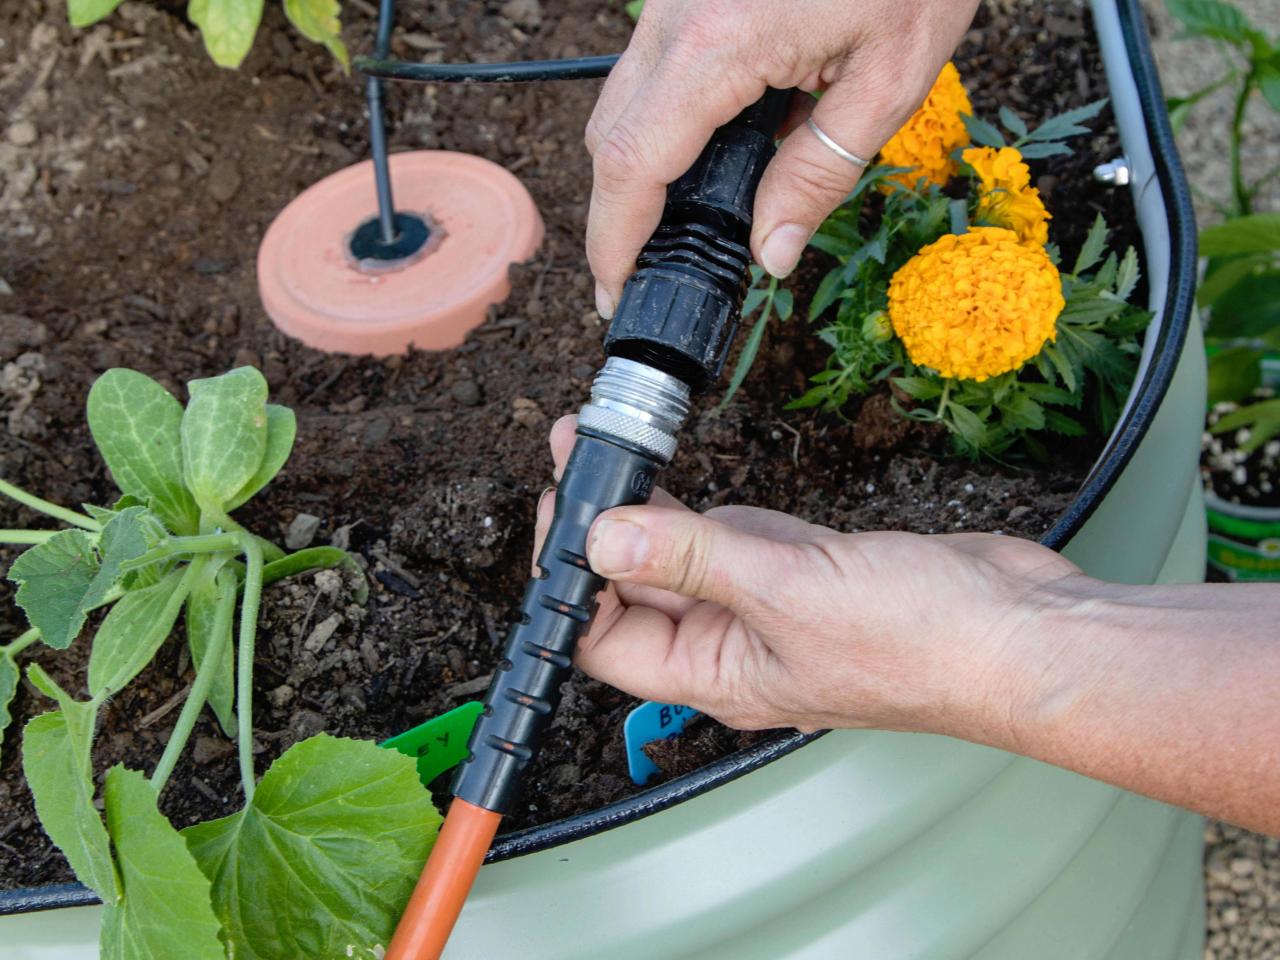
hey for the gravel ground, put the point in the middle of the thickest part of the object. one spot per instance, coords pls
(1242, 869)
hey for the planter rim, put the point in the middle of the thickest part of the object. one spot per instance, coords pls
(1242, 510)
(1160, 362)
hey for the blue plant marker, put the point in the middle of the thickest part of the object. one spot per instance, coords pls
(646, 723)
(439, 743)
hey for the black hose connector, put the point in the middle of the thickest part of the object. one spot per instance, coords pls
(672, 329)
(679, 310)
(558, 607)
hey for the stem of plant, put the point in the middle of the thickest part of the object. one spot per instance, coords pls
(23, 641)
(226, 607)
(180, 546)
(244, 667)
(26, 536)
(1244, 203)
(49, 509)
(315, 558)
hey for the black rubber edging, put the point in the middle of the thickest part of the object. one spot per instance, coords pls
(1179, 306)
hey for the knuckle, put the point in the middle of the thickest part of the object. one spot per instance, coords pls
(619, 156)
(691, 562)
(817, 178)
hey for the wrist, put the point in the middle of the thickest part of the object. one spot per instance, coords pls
(1043, 674)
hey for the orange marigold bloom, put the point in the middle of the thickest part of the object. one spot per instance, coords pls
(1007, 198)
(933, 133)
(976, 305)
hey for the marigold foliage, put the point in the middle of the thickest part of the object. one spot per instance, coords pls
(927, 141)
(1006, 197)
(976, 305)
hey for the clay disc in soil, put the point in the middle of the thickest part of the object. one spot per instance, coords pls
(482, 219)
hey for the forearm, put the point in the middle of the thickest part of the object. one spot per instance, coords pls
(1173, 692)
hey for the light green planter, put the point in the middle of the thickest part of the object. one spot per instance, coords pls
(891, 846)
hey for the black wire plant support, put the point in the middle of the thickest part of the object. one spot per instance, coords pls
(394, 236)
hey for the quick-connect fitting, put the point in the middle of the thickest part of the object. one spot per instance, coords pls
(638, 405)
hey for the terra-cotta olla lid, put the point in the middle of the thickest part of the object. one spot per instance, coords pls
(481, 219)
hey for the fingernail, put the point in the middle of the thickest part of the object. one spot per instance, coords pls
(604, 302)
(617, 547)
(782, 248)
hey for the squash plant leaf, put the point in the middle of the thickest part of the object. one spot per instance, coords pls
(57, 762)
(132, 632)
(83, 13)
(8, 687)
(166, 910)
(54, 578)
(202, 608)
(282, 427)
(323, 859)
(317, 20)
(224, 435)
(135, 423)
(65, 577)
(227, 26)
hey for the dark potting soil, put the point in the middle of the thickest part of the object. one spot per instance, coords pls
(1237, 476)
(130, 229)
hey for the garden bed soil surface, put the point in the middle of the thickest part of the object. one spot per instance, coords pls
(131, 221)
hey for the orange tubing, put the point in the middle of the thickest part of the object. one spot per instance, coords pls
(445, 882)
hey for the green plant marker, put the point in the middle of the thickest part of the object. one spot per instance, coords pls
(439, 743)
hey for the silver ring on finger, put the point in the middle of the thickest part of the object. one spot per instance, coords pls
(834, 147)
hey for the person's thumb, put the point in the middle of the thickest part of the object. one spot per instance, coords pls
(681, 551)
(807, 179)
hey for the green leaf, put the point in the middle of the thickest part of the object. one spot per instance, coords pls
(1212, 18)
(317, 20)
(919, 388)
(1250, 308)
(1068, 124)
(132, 632)
(1064, 363)
(1223, 274)
(57, 761)
(282, 428)
(1094, 246)
(783, 304)
(1234, 373)
(633, 8)
(1012, 122)
(967, 425)
(826, 294)
(54, 579)
(982, 132)
(1256, 233)
(747, 357)
(1020, 412)
(322, 861)
(1038, 151)
(167, 909)
(135, 423)
(1261, 419)
(224, 436)
(1127, 277)
(83, 13)
(1057, 422)
(9, 676)
(227, 26)
(202, 608)
(1269, 84)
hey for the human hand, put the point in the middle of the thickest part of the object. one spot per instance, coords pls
(692, 66)
(762, 620)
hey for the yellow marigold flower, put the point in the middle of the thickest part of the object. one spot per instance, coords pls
(932, 134)
(977, 305)
(1008, 199)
